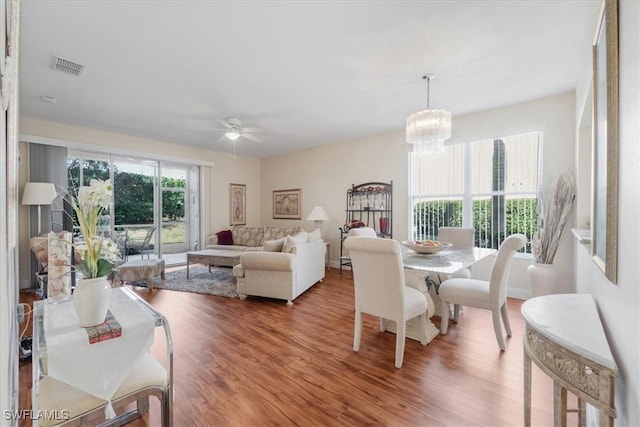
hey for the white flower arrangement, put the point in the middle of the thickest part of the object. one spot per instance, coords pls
(98, 252)
(554, 210)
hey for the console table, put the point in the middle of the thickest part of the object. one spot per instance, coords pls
(565, 338)
(92, 373)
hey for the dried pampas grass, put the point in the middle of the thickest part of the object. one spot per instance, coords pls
(554, 209)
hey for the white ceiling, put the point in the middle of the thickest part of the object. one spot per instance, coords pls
(307, 73)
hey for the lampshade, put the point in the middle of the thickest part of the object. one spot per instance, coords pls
(318, 214)
(427, 130)
(38, 193)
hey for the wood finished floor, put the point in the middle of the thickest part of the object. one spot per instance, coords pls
(259, 362)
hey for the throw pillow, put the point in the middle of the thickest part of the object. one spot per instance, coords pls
(273, 245)
(291, 242)
(225, 237)
(302, 236)
(314, 235)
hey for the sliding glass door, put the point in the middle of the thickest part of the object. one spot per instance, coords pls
(174, 203)
(156, 204)
(135, 201)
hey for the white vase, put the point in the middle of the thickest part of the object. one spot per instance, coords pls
(542, 279)
(91, 298)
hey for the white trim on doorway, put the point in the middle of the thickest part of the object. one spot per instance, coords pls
(80, 146)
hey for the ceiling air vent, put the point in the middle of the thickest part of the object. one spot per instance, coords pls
(67, 66)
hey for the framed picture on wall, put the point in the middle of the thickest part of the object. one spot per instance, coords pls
(237, 204)
(287, 204)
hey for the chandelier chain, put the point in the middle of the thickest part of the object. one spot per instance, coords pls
(428, 78)
(427, 130)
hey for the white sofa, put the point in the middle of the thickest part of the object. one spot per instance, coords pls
(281, 275)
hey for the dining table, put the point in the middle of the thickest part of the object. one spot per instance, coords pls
(425, 272)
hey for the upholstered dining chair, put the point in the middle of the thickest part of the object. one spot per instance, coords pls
(489, 295)
(380, 290)
(363, 232)
(462, 237)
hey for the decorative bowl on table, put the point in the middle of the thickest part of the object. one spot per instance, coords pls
(426, 246)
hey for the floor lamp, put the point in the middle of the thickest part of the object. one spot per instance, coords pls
(39, 193)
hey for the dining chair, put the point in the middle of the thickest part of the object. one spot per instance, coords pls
(380, 290)
(363, 232)
(149, 378)
(462, 237)
(489, 295)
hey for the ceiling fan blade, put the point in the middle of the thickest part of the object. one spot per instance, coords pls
(251, 129)
(251, 137)
(222, 138)
(224, 124)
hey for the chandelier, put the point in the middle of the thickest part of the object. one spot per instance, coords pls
(427, 130)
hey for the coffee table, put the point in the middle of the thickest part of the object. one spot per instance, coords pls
(211, 257)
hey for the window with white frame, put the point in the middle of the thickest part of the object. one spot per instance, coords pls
(490, 185)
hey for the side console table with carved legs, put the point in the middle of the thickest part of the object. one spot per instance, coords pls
(565, 338)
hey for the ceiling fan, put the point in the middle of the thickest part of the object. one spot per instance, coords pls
(233, 130)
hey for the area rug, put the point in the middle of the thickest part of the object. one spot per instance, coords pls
(219, 282)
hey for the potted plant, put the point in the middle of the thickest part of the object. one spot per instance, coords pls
(554, 211)
(97, 253)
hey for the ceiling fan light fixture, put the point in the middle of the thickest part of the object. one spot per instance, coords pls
(232, 135)
(427, 130)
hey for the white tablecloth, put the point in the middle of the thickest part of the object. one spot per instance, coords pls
(100, 368)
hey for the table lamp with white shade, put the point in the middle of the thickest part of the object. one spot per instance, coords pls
(318, 215)
(39, 193)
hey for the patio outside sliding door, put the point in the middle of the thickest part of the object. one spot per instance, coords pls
(81, 170)
(135, 203)
(175, 226)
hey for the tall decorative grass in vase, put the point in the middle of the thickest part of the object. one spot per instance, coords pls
(554, 210)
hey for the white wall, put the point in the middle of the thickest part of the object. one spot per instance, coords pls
(324, 174)
(619, 304)
(220, 172)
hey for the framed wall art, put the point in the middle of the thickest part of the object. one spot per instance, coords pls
(604, 219)
(237, 204)
(287, 204)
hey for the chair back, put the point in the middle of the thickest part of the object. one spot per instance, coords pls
(462, 237)
(378, 276)
(147, 237)
(363, 232)
(502, 266)
(147, 241)
(120, 239)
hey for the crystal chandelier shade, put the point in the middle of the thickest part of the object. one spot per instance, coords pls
(427, 130)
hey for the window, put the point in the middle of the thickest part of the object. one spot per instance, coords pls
(490, 185)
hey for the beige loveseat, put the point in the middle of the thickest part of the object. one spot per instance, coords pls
(250, 238)
(284, 270)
